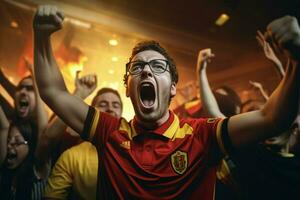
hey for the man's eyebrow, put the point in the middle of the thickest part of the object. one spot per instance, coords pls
(137, 60)
(25, 85)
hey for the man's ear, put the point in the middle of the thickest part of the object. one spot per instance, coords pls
(173, 89)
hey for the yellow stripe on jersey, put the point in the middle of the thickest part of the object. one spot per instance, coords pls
(219, 137)
(128, 128)
(133, 131)
(225, 175)
(182, 132)
(174, 131)
(170, 132)
(223, 172)
(94, 124)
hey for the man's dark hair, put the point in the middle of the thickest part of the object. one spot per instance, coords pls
(155, 46)
(24, 78)
(107, 90)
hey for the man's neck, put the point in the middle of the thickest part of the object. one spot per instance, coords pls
(155, 124)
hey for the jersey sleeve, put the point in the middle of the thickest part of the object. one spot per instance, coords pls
(213, 134)
(60, 181)
(98, 125)
(223, 139)
(90, 124)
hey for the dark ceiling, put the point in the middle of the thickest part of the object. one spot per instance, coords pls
(239, 58)
(197, 17)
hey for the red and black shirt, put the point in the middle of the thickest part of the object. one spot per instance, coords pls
(175, 161)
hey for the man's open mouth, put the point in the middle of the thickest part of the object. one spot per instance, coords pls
(23, 103)
(147, 94)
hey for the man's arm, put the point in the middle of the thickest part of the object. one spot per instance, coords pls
(4, 127)
(7, 108)
(269, 53)
(208, 99)
(49, 79)
(7, 85)
(41, 118)
(53, 133)
(260, 87)
(281, 108)
(41, 115)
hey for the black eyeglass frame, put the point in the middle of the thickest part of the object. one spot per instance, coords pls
(146, 63)
(16, 144)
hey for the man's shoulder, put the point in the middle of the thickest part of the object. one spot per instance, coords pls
(83, 146)
(199, 121)
(78, 149)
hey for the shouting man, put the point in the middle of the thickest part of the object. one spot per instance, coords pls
(157, 155)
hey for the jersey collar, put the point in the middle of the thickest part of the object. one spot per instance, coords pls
(167, 129)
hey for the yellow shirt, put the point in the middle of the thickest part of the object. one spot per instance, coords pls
(74, 174)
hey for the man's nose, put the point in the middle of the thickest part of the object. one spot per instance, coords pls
(147, 71)
(23, 90)
(110, 109)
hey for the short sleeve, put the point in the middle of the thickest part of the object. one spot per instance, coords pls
(90, 124)
(98, 125)
(212, 133)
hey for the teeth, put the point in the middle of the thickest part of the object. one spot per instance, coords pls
(146, 85)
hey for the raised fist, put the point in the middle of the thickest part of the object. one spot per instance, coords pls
(85, 85)
(204, 57)
(47, 20)
(285, 33)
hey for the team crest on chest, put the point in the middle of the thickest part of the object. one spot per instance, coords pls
(179, 161)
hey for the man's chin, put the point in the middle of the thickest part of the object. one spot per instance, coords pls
(23, 114)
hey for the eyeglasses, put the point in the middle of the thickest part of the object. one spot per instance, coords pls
(157, 66)
(17, 143)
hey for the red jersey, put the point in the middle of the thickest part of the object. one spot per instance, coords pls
(175, 161)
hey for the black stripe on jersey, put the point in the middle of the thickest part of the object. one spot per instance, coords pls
(88, 123)
(225, 137)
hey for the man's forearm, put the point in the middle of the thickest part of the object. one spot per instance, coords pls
(283, 103)
(279, 68)
(3, 144)
(41, 114)
(49, 78)
(4, 127)
(7, 85)
(7, 108)
(47, 20)
(208, 99)
(276, 117)
(49, 139)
